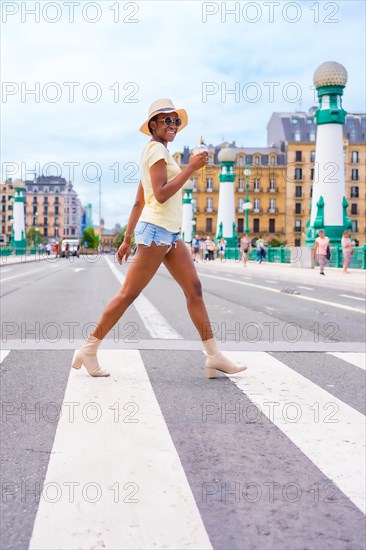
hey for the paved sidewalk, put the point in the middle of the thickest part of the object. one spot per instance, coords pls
(26, 259)
(355, 281)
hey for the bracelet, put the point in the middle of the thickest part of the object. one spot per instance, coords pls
(128, 235)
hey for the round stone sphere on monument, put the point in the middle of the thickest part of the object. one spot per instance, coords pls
(227, 154)
(330, 73)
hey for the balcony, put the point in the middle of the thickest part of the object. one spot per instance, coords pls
(272, 210)
(297, 197)
(210, 210)
(258, 190)
(297, 229)
(272, 190)
(258, 210)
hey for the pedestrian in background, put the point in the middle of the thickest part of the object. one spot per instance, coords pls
(196, 245)
(221, 247)
(321, 250)
(210, 248)
(155, 221)
(245, 247)
(347, 249)
(261, 251)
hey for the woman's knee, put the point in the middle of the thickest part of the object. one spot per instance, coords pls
(195, 290)
(128, 295)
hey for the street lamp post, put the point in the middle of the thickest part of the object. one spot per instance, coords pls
(36, 231)
(247, 203)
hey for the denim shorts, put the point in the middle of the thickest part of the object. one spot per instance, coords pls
(146, 233)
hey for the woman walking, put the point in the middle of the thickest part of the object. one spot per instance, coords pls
(245, 246)
(155, 220)
(320, 252)
(347, 249)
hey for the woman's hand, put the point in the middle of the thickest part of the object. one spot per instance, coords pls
(123, 252)
(198, 161)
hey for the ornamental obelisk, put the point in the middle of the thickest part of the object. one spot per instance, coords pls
(329, 204)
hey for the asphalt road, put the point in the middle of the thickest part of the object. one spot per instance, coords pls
(242, 470)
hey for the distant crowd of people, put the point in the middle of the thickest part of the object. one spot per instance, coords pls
(205, 249)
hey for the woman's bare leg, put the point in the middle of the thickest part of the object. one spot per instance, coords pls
(179, 263)
(143, 267)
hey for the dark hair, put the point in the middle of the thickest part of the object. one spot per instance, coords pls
(154, 118)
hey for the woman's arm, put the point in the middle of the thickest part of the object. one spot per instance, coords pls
(163, 189)
(125, 249)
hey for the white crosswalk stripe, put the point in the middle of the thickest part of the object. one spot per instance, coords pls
(143, 491)
(115, 478)
(356, 359)
(327, 430)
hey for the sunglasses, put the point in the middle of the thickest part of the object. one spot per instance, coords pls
(168, 121)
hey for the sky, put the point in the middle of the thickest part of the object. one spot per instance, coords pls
(78, 78)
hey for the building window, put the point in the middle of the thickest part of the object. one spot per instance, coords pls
(194, 205)
(352, 136)
(312, 136)
(256, 160)
(297, 135)
(209, 204)
(294, 120)
(35, 190)
(256, 205)
(45, 221)
(298, 156)
(354, 226)
(354, 175)
(45, 232)
(309, 121)
(297, 207)
(208, 225)
(56, 210)
(256, 185)
(354, 192)
(240, 205)
(256, 225)
(297, 242)
(34, 210)
(272, 185)
(241, 161)
(298, 191)
(45, 210)
(241, 185)
(72, 231)
(272, 225)
(45, 200)
(240, 225)
(34, 200)
(194, 182)
(298, 173)
(272, 205)
(312, 156)
(354, 156)
(209, 185)
(297, 225)
(311, 173)
(354, 208)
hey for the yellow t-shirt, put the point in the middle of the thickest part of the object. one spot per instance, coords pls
(169, 214)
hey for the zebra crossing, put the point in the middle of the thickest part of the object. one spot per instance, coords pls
(155, 456)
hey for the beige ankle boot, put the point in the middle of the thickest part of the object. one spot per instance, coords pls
(217, 361)
(87, 356)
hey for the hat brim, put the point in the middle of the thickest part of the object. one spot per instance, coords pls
(182, 114)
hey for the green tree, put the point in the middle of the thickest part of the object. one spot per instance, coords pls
(90, 238)
(31, 236)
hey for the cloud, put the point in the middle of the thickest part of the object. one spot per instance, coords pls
(168, 52)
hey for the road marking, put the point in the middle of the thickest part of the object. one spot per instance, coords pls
(20, 275)
(4, 353)
(155, 323)
(352, 297)
(274, 282)
(356, 359)
(297, 296)
(328, 431)
(76, 269)
(127, 457)
(305, 287)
